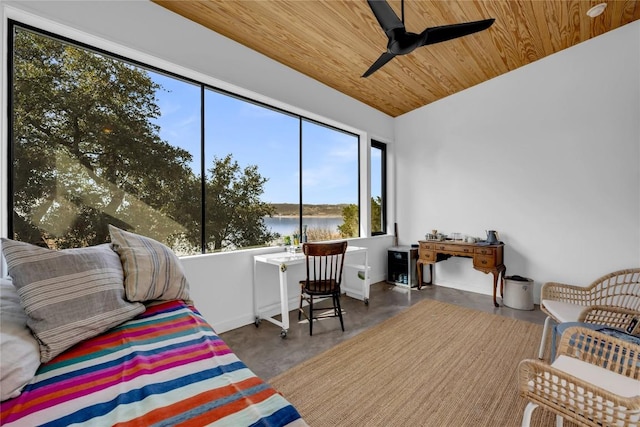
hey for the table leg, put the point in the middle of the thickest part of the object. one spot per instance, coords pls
(284, 301)
(256, 315)
(495, 287)
(367, 279)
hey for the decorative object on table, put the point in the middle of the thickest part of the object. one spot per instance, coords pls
(434, 235)
(455, 237)
(612, 300)
(593, 381)
(492, 237)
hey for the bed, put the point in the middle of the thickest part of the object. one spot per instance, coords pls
(163, 366)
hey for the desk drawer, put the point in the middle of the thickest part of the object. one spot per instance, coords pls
(429, 246)
(453, 248)
(485, 261)
(428, 256)
(485, 251)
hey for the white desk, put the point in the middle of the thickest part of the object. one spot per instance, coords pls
(283, 260)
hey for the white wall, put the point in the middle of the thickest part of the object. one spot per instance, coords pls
(221, 283)
(548, 155)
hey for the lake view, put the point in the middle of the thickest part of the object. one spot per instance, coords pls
(287, 225)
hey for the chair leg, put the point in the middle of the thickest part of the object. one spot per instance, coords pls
(543, 341)
(554, 337)
(311, 315)
(528, 411)
(337, 304)
(300, 307)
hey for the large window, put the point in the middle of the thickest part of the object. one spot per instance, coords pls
(97, 139)
(329, 183)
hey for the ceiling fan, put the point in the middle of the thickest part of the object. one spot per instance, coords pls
(402, 42)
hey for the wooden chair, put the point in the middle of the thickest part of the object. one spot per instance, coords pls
(594, 381)
(612, 300)
(325, 262)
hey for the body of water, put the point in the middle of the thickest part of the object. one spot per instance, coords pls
(288, 225)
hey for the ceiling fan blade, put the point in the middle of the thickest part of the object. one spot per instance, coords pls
(383, 59)
(448, 32)
(386, 17)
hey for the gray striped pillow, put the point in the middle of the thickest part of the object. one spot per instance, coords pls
(68, 295)
(151, 270)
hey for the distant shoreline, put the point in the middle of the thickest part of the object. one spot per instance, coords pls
(289, 210)
(276, 216)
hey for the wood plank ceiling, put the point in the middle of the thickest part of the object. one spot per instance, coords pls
(335, 41)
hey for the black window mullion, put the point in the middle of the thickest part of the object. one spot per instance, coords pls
(300, 177)
(203, 176)
(11, 136)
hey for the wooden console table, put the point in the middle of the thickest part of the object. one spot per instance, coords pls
(486, 258)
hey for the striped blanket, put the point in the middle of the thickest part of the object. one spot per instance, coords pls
(166, 367)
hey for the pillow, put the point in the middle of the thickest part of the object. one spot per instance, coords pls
(68, 295)
(151, 270)
(19, 350)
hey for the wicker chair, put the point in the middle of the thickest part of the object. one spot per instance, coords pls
(612, 300)
(595, 381)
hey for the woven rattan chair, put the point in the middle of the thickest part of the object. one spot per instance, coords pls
(325, 262)
(594, 381)
(612, 300)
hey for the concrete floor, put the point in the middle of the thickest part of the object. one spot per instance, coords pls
(268, 355)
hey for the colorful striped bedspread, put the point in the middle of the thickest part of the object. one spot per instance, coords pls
(166, 367)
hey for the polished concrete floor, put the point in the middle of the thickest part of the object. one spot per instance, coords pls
(267, 354)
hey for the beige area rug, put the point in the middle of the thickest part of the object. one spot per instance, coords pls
(434, 364)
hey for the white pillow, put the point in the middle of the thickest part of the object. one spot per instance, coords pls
(19, 350)
(151, 270)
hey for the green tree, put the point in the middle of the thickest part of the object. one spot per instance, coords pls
(349, 226)
(86, 152)
(376, 214)
(234, 212)
(350, 221)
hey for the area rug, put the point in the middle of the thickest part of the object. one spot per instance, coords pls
(434, 364)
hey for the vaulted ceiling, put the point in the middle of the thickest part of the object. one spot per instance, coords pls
(336, 41)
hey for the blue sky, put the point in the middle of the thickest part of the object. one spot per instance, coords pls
(260, 136)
